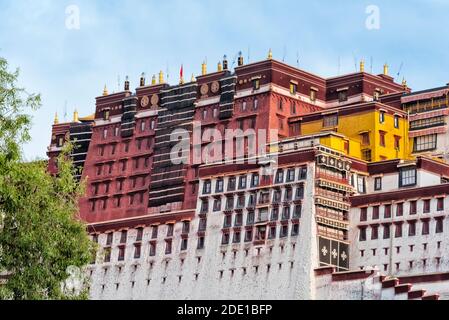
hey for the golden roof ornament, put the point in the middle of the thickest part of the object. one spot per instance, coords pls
(75, 116)
(193, 79)
(153, 80)
(404, 83)
(386, 69)
(105, 91)
(362, 66)
(56, 120)
(270, 54)
(204, 68)
(161, 77)
(219, 67)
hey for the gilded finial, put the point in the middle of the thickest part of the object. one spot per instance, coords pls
(105, 91)
(362, 66)
(270, 54)
(204, 68)
(404, 83)
(75, 116)
(153, 80)
(219, 67)
(386, 69)
(161, 77)
(56, 121)
(193, 78)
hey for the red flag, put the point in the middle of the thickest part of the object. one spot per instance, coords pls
(181, 72)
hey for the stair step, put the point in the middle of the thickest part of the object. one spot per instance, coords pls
(402, 288)
(390, 283)
(415, 294)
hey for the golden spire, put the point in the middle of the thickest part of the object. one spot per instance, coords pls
(270, 54)
(105, 91)
(219, 67)
(362, 66)
(193, 78)
(386, 69)
(161, 77)
(75, 116)
(56, 121)
(404, 83)
(153, 80)
(204, 68)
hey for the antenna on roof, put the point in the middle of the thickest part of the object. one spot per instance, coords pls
(371, 64)
(167, 72)
(285, 53)
(65, 110)
(249, 51)
(235, 59)
(355, 61)
(297, 59)
(400, 69)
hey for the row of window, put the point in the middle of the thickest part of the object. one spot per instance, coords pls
(134, 182)
(425, 143)
(141, 143)
(263, 215)
(135, 198)
(260, 234)
(386, 251)
(387, 209)
(137, 162)
(398, 229)
(253, 199)
(154, 233)
(282, 176)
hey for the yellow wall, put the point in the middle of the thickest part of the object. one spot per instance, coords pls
(352, 125)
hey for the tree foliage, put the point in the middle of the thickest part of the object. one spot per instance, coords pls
(40, 233)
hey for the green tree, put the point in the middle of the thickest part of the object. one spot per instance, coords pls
(41, 236)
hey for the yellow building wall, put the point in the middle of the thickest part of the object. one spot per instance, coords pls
(353, 125)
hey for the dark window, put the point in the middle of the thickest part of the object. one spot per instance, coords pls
(382, 116)
(295, 229)
(186, 227)
(227, 221)
(426, 206)
(375, 213)
(411, 228)
(242, 182)
(272, 232)
(238, 220)
(219, 186)
(440, 204)
(398, 230)
(275, 214)
(284, 231)
(217, 205)
(387, 231)
(137, 251)
(439, 225)
(279, 176)
(286, 213)
(399, 209)
(412, 207)
(425, 143)
(200, 244)
(184, 244)
(225, 238)
(330, 121)
(290, 175)
(297, 212)
(407, 177)
(109, 239)
(382, 138)
(139, 234)
(250, 218)
(374, 232)
(124, 236)
(249, 235)
(202, 225)
(168, 247)
(378, 183)
(237, 237)
(387, 211)
(121, 254)
(343, 96)
(152, 249)
(207, 187)
(425, 227)
(170, 228)
(362, 234)
(231, 184)
(363, 214)
(396, 122)
(255, 180)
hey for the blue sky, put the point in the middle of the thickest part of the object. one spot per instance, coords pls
(128, 37)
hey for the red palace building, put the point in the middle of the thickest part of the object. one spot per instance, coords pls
(176, 229)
